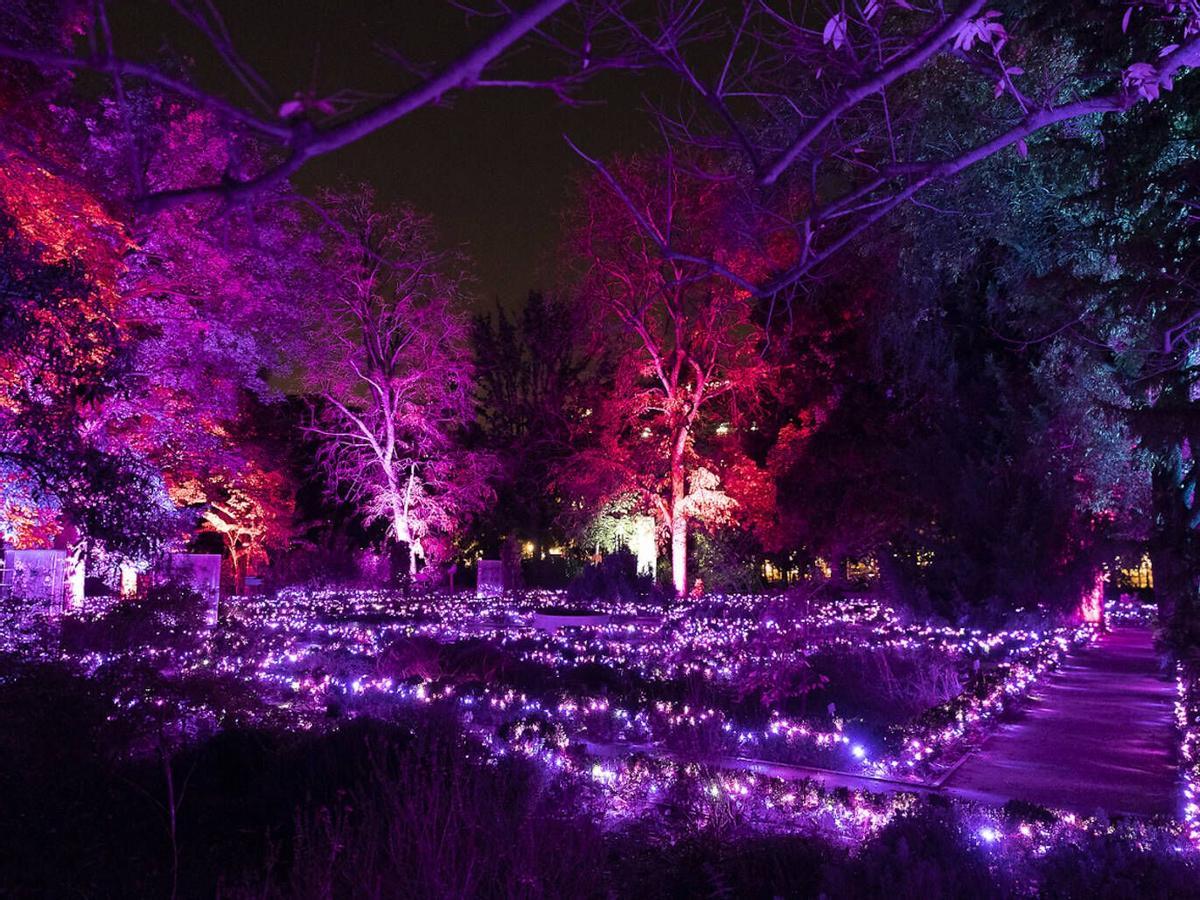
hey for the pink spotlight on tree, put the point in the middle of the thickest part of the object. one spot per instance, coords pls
(1091, 607)
(393, 375)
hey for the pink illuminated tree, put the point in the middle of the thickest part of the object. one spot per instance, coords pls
(209, 300)
(392, 371)
(687, 351)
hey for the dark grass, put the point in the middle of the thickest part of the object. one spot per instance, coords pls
(413, 808)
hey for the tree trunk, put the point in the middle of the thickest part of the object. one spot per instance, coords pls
(403, 537)
(678, 530)
(402, 517)
(679, 554)
(237, 564)
(396, 565)
(1174, 584)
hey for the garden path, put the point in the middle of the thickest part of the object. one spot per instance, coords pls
(1096, 735)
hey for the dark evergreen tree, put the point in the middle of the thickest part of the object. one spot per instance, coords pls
(529, 384)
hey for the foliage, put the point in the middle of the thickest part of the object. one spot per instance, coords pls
(428, 820)
(461, 663)
(268, 814)
(528, 382)
(726, 562)
(780, 686)
(167, 616)
(251, 510)
(982, 410)
(613, 526)
(614, 577)
(1103, 866)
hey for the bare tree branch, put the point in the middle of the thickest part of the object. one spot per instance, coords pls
(117, 68)
(909, 62)
(303, 140)
(859, 207)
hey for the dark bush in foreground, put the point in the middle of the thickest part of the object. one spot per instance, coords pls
(922, 857)
(412, 807)
(614, 578)
(431, 820)
(1107, 866)
(714, 865)
(401, 809)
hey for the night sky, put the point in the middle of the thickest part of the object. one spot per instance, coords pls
(492, 168)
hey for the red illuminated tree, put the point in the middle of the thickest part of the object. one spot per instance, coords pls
(687, 351)
(392, 371)
(63, 354)
(139, 338)
(251, 510)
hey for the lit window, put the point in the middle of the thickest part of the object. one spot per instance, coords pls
(866, 569)
(1137, 578)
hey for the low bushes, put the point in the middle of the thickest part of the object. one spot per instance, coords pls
(613, 579)
(413, 807)
(886, 686)
(430, 660)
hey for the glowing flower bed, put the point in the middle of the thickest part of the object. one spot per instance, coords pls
(326, 649)
(613, 708)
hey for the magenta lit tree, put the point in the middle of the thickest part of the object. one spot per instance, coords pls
(687, 350)
(391, 369)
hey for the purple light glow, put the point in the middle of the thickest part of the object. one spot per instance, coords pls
(297, 661)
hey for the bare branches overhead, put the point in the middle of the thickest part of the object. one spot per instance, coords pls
(817, 108)
(303, 126)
